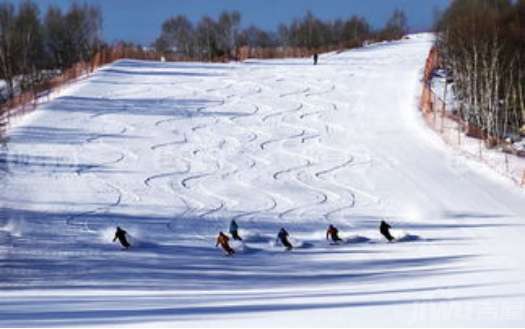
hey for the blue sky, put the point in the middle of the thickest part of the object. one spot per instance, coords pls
(140, 20)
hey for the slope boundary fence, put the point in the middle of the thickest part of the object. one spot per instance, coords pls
(464, 138)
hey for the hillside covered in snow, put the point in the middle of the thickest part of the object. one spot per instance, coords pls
(172, 152)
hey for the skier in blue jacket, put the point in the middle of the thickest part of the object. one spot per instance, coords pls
(234, 230)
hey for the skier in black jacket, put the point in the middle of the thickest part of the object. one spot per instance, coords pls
(283, 237)
(333, 233)
(384, 228)
(120, 234)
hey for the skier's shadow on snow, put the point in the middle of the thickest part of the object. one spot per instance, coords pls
(159, 253)
(447, 221)
(54, 255)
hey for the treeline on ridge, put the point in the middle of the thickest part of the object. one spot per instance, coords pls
(209, 38)
(482, 45)
(35, 48)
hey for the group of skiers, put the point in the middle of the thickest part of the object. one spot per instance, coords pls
(224, 241)
(332, 233)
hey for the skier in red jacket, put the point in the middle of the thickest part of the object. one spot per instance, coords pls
(223, 241)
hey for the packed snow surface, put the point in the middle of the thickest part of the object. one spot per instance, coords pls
(172, 152)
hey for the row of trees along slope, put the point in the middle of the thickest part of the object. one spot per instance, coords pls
(35, 48)
(482, 44)
(212, 39)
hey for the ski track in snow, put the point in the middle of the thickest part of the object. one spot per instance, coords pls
(173, 151)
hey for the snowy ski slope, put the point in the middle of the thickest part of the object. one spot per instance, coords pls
(173, 151)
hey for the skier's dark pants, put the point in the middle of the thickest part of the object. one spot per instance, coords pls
(286, 243)
(123, 242)
(336, 238)
(228, 249)
(387, 235)
(235, 235)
